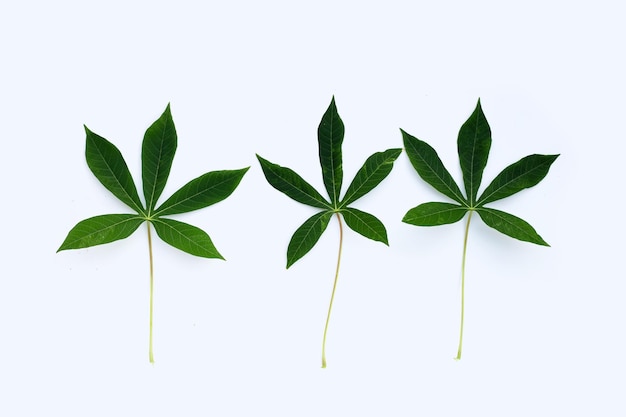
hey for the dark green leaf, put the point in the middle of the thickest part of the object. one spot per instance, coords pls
(434, 214)
(510, 225)
(108, 165)
(365, 224)
(428, 165)
(99, 230)
(157, 154)
(525, 173)
(306, 236)
(330, 136)
(186, 237)
(473, 145)
(201, 192)
(375, 169)
(288, 182)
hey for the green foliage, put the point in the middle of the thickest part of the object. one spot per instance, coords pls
(157, 154)
(375, 169)
(474, 143)
(158, 149)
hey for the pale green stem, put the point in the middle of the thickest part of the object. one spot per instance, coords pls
(469, 217)
(151, 289)
(332, 296)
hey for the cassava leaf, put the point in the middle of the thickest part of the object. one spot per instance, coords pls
(473, 145)
(108, 165)
(201, 192)
(158, 149)
(306, 236)
(291, 184)
(365, 224)
(186, 237)
(330, 137)
(510, 225)
(157, 154)
(434, 214)
(99, 230)
(428, 165)
(374, 170)
(525, 173)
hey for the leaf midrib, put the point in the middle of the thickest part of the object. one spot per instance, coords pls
(472, 196)
(156, 173)
(336, 192)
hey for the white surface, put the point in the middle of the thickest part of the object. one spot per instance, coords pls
(544, 326)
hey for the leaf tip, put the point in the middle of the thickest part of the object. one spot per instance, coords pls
(333, 104)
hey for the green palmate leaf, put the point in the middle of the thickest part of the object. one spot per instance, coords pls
(473, 145)
(375, 169)
(428, 165)
(158, 149)
(201, 192)
(291, 184)
(157, 154)
(330, 136)
(434, 214)
(525, 173)
(186, 237)
(306, 236)
(510, 225)
(108, 165)
(365, 224)
(99, 230)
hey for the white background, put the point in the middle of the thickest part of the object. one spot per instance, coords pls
(544, 326)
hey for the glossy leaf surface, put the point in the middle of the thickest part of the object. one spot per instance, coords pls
(202, 192)
(510, 225)
(99, 230)
(375, 169)
(186, 237)
(157, 155)
(474, 144)
(365, 224)
(428, 165)
(330, 137)
(434, 214)
(292, 185)
(158, 149)
(108, 165)
(525, 173)
(306, 236)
